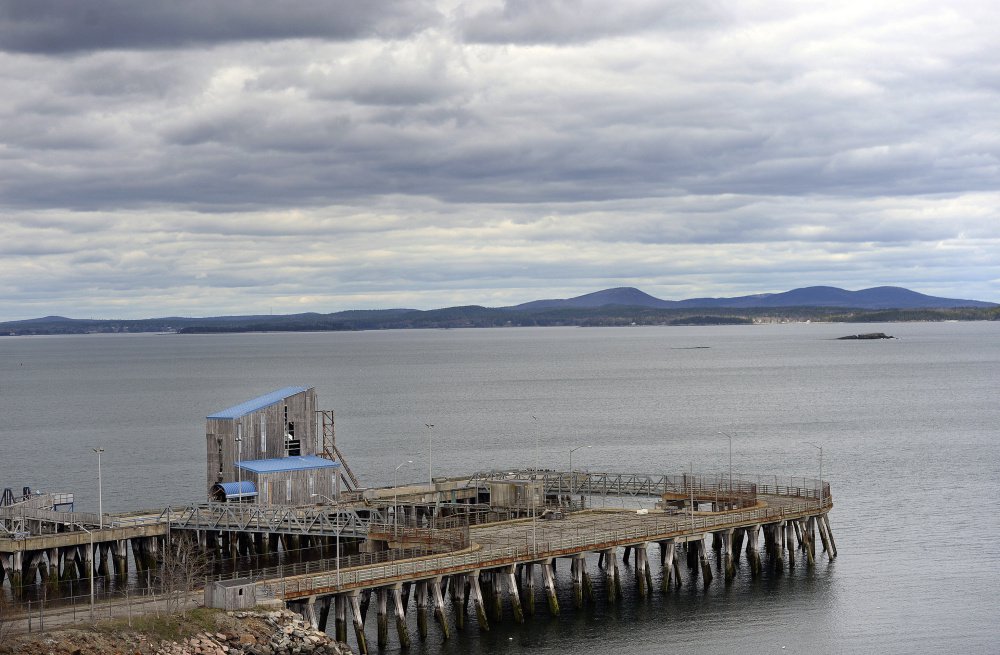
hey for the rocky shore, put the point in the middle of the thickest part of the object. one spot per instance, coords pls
(278, 632)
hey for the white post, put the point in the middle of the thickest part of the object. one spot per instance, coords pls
(239, 460)
(534, 510)
(100, 489)
(573, 475)
(395, 496)
(430, 455)
(820, 448)
(725, 434)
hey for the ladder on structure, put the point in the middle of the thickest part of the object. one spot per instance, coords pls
(331, 452)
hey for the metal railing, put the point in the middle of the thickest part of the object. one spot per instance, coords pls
(320, 520)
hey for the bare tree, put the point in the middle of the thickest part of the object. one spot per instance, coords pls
(6, 618)
(182, 567)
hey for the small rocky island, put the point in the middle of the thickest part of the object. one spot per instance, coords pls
(867, 335)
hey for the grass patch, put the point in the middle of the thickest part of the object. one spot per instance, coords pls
(166, 627)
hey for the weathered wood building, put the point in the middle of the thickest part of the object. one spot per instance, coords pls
(266, 450)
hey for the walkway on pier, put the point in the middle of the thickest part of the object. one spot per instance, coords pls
(526, 540)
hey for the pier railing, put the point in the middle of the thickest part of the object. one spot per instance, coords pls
(320, 520)
(596, 483)
(597, 534)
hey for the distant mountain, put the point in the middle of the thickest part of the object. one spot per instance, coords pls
(619, 306)
(874, 298)
(622, 296)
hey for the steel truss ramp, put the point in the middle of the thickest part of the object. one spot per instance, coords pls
(313, 521)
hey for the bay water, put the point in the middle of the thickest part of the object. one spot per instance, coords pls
(908, 427)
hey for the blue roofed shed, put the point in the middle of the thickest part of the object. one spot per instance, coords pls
(300, 480)
(260, 402)
(277, 425)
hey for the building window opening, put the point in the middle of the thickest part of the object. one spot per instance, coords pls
(293, 446)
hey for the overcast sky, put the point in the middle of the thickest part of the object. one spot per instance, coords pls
(204, 157)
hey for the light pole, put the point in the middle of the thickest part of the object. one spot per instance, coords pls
(100, 489)
(430, 454)
(571, 451)
(336, 534)
(572, 475)
(395, 495)
(820, 449)
(239, 471)
(91, 568)
(534, 491)
(726, 434)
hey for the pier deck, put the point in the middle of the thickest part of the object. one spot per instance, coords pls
(526, 540)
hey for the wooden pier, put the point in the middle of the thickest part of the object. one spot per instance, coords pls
(478, 540)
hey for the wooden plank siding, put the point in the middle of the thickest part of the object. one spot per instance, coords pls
(294, 487)
(262, 432)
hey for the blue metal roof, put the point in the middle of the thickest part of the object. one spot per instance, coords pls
(297, 463)
(260, 402)
(244, 489)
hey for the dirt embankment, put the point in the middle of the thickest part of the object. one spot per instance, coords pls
(199, 632)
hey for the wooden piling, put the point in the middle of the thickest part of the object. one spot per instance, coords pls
(401, 628)
(421, 601)
(383, 618)
(667, 563)
(706, 568)
(550, 587)
(477, 600)
(515, 598)
(340, 617)
(829, 534)
(642, 575)
(439, 615)
(528, 589)
(359, 623)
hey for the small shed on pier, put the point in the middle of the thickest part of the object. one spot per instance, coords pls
(265, 450)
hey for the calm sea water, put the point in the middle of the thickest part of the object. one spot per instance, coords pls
(909, 430)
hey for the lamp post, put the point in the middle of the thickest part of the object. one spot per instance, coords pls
(336, 534)
(239, 460)
(572, 478)
(395, 495)
(100, 489)
(726, 434)
(571, 451)
(534, 511)
(91, 568)
(820, 449)
(430, 454)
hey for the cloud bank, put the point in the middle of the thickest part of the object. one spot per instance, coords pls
(216, 157)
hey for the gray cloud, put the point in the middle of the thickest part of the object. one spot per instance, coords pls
(425, 154)
(67, 26)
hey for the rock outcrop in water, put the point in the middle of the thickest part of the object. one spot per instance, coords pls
(868, 335)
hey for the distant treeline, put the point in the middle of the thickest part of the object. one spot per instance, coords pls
(476, 316)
